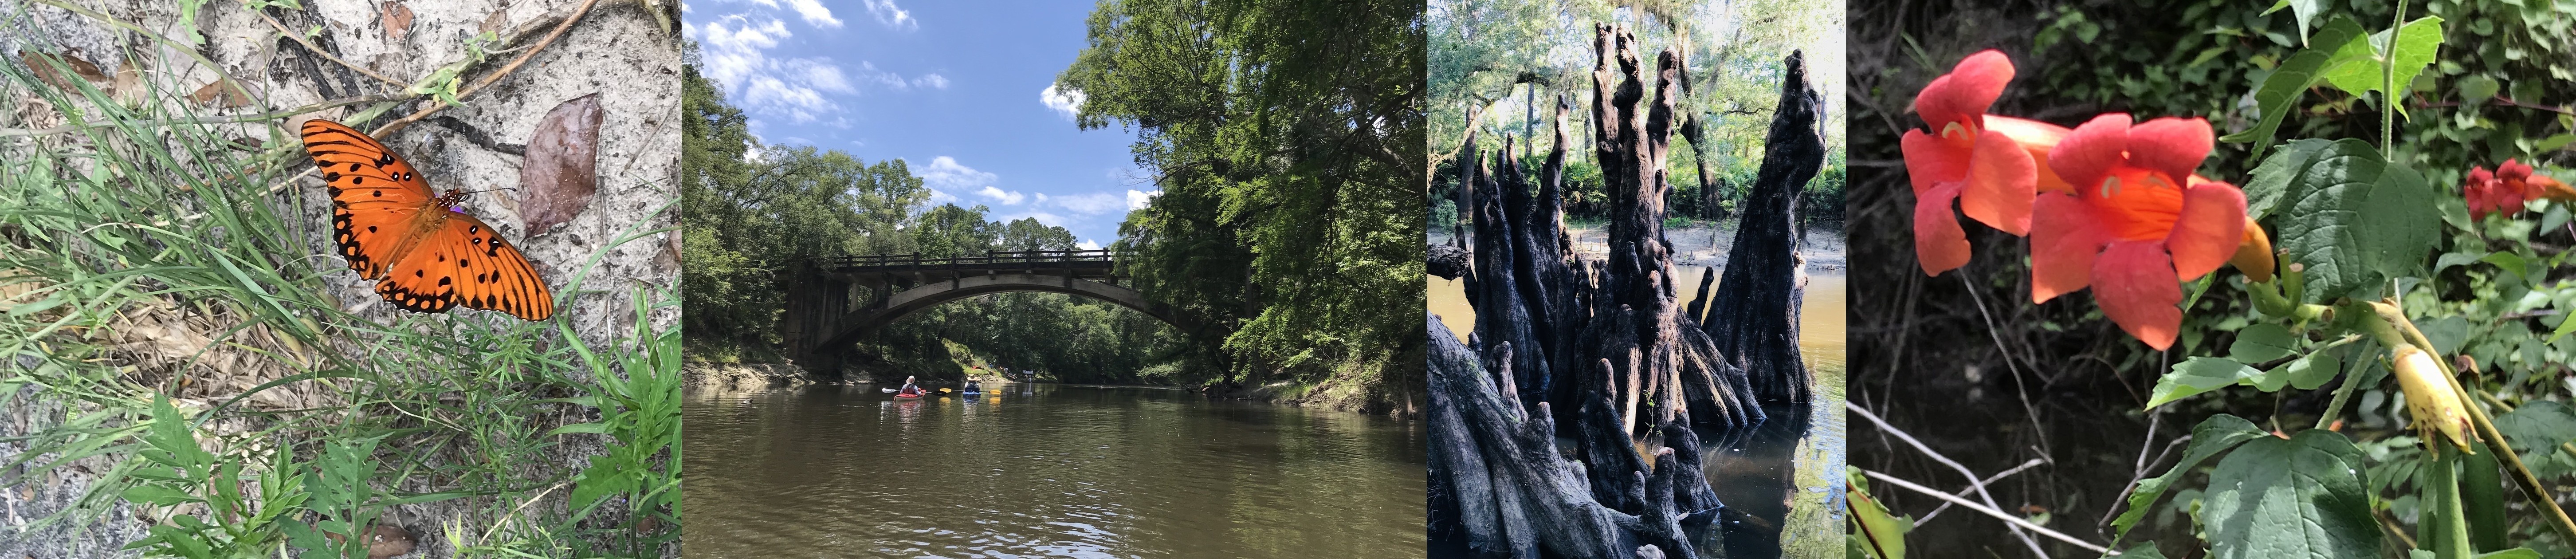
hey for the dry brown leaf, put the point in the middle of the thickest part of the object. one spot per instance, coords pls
(129, 82)
(561, 172)
(397, 21)
(221, 95)
(495, 23)
(43, 65)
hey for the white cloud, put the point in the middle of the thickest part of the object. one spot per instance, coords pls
(890, 15)
(1138, 199)
(1063, 100)
(946, 178)
(1088, 244)
(1089, 204)
(1006, 197)
(814, 13)
(736, 55)
(933, 81)
(1048, 219)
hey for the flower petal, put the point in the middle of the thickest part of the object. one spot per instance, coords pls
(2134, 283)
(2211, 226)
(2036, 138)
(2001, 182)
(2173, 146)
(1930, 161)
(2063, 241)
(1939, 244)
(2088, 153)
(1964, 93)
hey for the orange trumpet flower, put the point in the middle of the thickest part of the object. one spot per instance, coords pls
(2135, 222)
(1986, 171)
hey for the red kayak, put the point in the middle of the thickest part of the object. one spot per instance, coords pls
(908, 396)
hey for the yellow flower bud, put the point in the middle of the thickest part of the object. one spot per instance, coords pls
(2429, 397)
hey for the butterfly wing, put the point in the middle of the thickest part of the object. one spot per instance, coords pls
(376, 197)
(461, 262)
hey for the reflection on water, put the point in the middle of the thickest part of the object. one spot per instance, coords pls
(1786, 475)
(1045, 471)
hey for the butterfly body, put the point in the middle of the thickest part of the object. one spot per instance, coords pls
(426, 253)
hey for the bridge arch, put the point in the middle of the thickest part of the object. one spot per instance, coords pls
(859, 323)
(821, 324)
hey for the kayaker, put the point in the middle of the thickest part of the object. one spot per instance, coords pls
(909, 387)
(974, 385)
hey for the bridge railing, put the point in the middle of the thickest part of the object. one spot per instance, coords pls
(990, 259)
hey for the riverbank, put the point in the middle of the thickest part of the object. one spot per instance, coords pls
(742, 376)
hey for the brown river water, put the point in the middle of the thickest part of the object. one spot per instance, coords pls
(1044, 470)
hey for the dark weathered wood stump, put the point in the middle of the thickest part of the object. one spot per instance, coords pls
(1596, 351)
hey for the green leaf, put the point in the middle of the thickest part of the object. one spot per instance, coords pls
(2296, 498)
(2263, 342)
(2304, 10)
(2273, 177)
(158, 495)
(579, 428)
(2197, 375)
(2417, 42)
(2515, 553)
(2446, 334)
(2305, 373)
(1876, 533)
(2512, 263)
(2214, 435)
(2542, 424)
(2450, 259)
(2353, 219)
(2552, 143)
(2279, 94)
(2475, 88)
(2455, 211)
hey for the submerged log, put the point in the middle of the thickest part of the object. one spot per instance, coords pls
(1754, 319)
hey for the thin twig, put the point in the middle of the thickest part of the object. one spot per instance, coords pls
(309, 47)
(1900, 434)
(2015, 521)
(272, 115)
(1990, 480)
(2021, 386)
(436, 105)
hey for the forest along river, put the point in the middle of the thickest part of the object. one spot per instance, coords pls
(1787, 472)
(1045, 470)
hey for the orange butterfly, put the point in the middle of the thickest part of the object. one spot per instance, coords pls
(428, 252)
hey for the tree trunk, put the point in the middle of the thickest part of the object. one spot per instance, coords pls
(1754, 318)
(1599, 348)
(1498, 487)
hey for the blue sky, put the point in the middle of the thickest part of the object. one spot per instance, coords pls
(960, 90)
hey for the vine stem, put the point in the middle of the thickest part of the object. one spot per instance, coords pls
(2388, 97)
(2394, 321)
(2343, 394)
(436, 105)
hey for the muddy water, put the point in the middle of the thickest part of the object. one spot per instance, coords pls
(1045, 471)
(1786, 474)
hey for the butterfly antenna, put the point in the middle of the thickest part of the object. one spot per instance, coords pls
(489, 190)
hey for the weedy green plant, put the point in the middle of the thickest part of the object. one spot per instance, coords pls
(169, 318)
